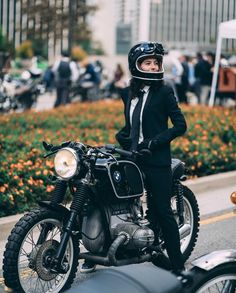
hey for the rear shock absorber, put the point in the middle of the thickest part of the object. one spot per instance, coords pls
(179, 192)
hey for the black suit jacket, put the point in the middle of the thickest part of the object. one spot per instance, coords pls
(160, 105)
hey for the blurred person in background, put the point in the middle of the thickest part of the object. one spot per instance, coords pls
(203, 74)
(48, 78)
(177, 71)
(183, 86)
(118, 81)
(89, 82)
(65, 72)
(193, 88)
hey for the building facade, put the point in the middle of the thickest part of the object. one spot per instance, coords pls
(190, 25)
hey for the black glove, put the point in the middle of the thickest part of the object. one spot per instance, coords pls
(147, 144)
(124, 141)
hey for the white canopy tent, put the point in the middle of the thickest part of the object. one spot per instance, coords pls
(227, 30)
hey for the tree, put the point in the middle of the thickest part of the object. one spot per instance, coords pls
(5, 45)
(54, 22)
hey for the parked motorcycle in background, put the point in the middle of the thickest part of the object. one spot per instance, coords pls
(20, 93)
(106, 215)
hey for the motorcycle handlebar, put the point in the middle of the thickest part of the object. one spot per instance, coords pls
(121, 152)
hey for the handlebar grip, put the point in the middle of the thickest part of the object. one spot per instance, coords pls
(124, 153)
(121, 152)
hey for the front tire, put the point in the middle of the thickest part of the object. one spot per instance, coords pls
(26, 265)
(219, 279)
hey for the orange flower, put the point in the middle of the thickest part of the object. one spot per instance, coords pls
(2, 189)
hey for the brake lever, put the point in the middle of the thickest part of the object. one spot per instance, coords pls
(108, 155)
(50, 154)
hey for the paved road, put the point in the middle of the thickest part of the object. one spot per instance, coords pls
(45, 101)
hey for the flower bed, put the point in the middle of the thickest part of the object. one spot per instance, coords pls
(208, 147)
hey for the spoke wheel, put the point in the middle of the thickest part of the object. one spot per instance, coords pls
(31, 261)
(221, 279)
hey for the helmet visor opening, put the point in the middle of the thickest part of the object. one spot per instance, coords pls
(157, 57)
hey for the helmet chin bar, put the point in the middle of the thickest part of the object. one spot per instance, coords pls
(148, 79)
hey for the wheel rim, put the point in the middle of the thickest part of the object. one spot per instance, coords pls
(188, 219)
(32, 269)
(225, 283)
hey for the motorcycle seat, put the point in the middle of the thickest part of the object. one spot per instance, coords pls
(131, 278)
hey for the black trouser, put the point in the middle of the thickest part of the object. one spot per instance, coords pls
(63, 91)
(158, 183)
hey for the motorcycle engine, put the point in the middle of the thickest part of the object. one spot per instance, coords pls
(138, 237)
(121, 218)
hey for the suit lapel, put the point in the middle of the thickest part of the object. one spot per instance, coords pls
(127, 110)
(147, 104)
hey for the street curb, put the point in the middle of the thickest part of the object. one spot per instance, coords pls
(198, 186)
(211, 182)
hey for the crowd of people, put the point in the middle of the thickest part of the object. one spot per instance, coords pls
(86, 79)
(192, 76)
(189, 76)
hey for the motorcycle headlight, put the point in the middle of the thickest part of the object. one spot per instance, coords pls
(66, 163)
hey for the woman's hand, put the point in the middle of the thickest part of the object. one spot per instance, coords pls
(148, 144)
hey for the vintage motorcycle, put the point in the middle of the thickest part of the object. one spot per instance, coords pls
(19, 93)
(107, 215)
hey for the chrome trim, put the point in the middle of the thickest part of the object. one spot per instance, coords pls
(110, 176)
(214, 259)
(74, 153)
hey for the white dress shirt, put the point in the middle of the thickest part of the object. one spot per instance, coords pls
(132, 106)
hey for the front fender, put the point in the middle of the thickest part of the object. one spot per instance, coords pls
(214, 259)
(54, 207)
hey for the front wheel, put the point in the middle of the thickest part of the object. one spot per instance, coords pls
(219, 279)
(31, 246)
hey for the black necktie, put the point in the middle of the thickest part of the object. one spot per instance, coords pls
(135, 127)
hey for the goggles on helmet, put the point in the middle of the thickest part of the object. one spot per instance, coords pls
(149, 48)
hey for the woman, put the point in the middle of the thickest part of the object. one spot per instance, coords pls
(149, 106)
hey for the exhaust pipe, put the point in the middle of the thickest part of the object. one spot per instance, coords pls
(110, 259)
(184, 231)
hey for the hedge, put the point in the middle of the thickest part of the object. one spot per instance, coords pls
(208, 147)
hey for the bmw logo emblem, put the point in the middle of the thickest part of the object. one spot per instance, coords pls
(117, 176)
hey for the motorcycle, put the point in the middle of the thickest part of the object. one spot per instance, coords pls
(19, 93)
(107, 215)
(214, 272)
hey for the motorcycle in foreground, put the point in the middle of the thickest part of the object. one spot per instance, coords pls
(216, 271)
(106, 215)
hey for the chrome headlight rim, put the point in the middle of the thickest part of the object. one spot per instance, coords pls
(76, 167)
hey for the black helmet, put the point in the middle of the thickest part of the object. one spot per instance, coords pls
(142, 51)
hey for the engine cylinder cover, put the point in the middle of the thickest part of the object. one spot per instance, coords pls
(93, 236)
(139, 236)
